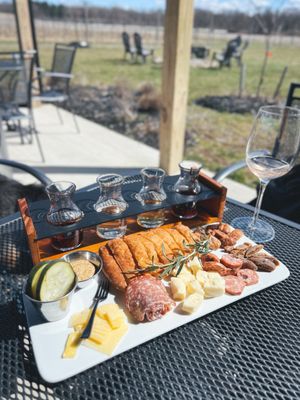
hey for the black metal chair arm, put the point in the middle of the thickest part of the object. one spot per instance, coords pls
(40, 176)
(221, 175)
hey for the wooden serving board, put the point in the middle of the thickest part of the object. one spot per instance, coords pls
(39, 233)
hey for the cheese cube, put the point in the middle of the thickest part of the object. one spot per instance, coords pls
(178, 289)
(186, 275)
(214, 286)
(194, 287)
(195, 265)
(72, 345)
(214, 276)
(202, 277)
(192, 303)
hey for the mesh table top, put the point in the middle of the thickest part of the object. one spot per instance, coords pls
(248, 350)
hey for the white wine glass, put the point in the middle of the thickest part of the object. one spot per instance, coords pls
(272, 149)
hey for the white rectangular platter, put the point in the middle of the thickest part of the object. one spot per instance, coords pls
(49, 338)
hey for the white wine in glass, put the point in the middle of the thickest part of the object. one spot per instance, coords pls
(272, 149)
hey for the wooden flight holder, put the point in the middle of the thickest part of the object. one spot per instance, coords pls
(209, 210)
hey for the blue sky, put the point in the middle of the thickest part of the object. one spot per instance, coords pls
(213, 5)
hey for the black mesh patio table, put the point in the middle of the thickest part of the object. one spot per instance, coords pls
(248, 350)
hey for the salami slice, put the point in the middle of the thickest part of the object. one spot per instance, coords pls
(147, 298)
(234, 284)
(249, 276)
(231, 262)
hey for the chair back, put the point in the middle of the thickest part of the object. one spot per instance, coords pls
(138, 43)
(63, 58)
(293, 98)
(10, 73)
(232, 46)
(126, 42)
(16, 81)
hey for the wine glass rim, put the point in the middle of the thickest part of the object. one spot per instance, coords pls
(278, 110)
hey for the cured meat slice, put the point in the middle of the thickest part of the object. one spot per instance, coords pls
(231, 262)
(122, 255)
(249, 276)
(248, 264)
(213, 266)
(146, 298)
(112, 270)
(234, 284)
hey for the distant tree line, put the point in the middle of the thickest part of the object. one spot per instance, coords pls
(285, 22)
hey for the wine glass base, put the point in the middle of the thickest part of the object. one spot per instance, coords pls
(261, 232)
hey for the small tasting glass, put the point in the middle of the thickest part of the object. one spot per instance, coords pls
(152, 193)
(111, 202)
(63, 211)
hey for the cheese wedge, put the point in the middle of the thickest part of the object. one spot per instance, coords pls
(80, 318)
(72, 345)
(192, 303)
(108, 346)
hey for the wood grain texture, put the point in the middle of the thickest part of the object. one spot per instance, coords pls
(175, 79)
(23, 16)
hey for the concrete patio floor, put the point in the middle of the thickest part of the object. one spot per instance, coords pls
(81, 157)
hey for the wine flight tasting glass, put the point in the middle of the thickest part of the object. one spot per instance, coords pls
(271, 151)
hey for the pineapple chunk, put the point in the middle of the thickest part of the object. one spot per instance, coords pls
(178, 289)
(72, 344)
(194, 287)
(214, 286)
(195, 265)
(192, 303)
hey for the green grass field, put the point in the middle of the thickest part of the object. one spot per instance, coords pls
(221, 137)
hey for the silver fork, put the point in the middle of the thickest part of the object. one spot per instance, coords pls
(101, 294)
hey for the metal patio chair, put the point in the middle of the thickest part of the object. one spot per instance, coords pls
(16, 70)
(57, 90)
(127, 47)
(140, 50)
(232, 50)
(32, 192)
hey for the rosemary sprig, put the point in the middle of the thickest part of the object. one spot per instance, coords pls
(177, 263)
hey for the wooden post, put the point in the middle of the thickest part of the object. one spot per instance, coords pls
(22, 8)
(175, 79)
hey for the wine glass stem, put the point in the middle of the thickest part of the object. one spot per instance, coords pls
(262, 188)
